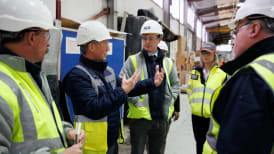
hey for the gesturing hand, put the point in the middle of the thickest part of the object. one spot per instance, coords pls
(129, 84)
(158, 77)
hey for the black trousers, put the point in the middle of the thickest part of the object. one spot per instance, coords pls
(200, 127)
(113, 149)
(144, 131)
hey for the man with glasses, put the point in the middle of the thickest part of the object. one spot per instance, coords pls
(149, 114)
(97, 93)
(243, 108)
(29, 119)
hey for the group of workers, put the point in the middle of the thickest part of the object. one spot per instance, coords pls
(232, 105)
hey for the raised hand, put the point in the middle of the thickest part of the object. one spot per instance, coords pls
(129, 84)
(158, 77)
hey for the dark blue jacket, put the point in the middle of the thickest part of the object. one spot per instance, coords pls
(85, 100)
(156, 96)
(245, 107)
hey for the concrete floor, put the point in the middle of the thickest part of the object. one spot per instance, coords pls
(180, 139)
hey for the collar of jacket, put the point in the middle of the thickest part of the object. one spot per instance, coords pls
(200, 70)
(95, 65)
(260, 48)
(32, 68)
(159, 57)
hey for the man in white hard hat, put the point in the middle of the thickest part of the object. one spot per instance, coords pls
(29, 119)
(97, 93)
(149, 113)
(243, 110)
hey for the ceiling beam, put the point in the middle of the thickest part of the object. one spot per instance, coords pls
(190, 1)
(202, 12)
(215, 27)
(210, 21)
(219, 30)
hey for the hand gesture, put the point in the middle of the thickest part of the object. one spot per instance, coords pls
(129, 84)
(158, 77)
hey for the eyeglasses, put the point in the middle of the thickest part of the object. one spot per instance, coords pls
(45, 33)
(248, 21)
(237, 28)
(150, 38)
(103, 44)
(205, 53)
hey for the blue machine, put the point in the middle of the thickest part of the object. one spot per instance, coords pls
(70, 54)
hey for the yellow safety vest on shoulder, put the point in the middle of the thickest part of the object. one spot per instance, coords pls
(141, 108)
(37, 123)
(199, 95)
(96, 130)
(264, 67)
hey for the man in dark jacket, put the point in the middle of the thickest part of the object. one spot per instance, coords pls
(245, 106)
(97, 93)
(149, 114)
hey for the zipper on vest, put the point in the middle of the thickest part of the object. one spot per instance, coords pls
(202, 109)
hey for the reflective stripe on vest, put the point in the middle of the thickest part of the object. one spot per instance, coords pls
(33, 126)
(140, 109)
(264, 67)
(199, 95)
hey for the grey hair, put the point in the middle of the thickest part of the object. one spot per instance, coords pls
(266, 22)
(268, 25)
(6, 37)
(84, 47)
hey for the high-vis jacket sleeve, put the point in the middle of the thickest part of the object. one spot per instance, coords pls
(6, 123)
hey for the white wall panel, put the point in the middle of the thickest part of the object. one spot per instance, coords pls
(174, 25)
(131, 7)
(82, 10)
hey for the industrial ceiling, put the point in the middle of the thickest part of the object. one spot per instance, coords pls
(216, 15)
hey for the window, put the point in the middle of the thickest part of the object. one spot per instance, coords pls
(159, 2)
(190, 17)
(204, 34)
(182, 11)
(175, 8)
(199, 29)
(224, 48)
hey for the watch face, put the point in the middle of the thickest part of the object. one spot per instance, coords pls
(194, 77)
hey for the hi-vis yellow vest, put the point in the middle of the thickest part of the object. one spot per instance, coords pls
(199, 95)
(34, 124)
(264, 67)
(141, 108)
(96, 130)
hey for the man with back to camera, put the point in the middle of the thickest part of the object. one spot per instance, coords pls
(149, 113)
(97, 93)
(29, 119)
(243, 108)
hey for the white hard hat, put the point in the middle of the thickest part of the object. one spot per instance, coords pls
(252, 7)
(163, 46)
(151, 27)
(92, 30)
(17, 15)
